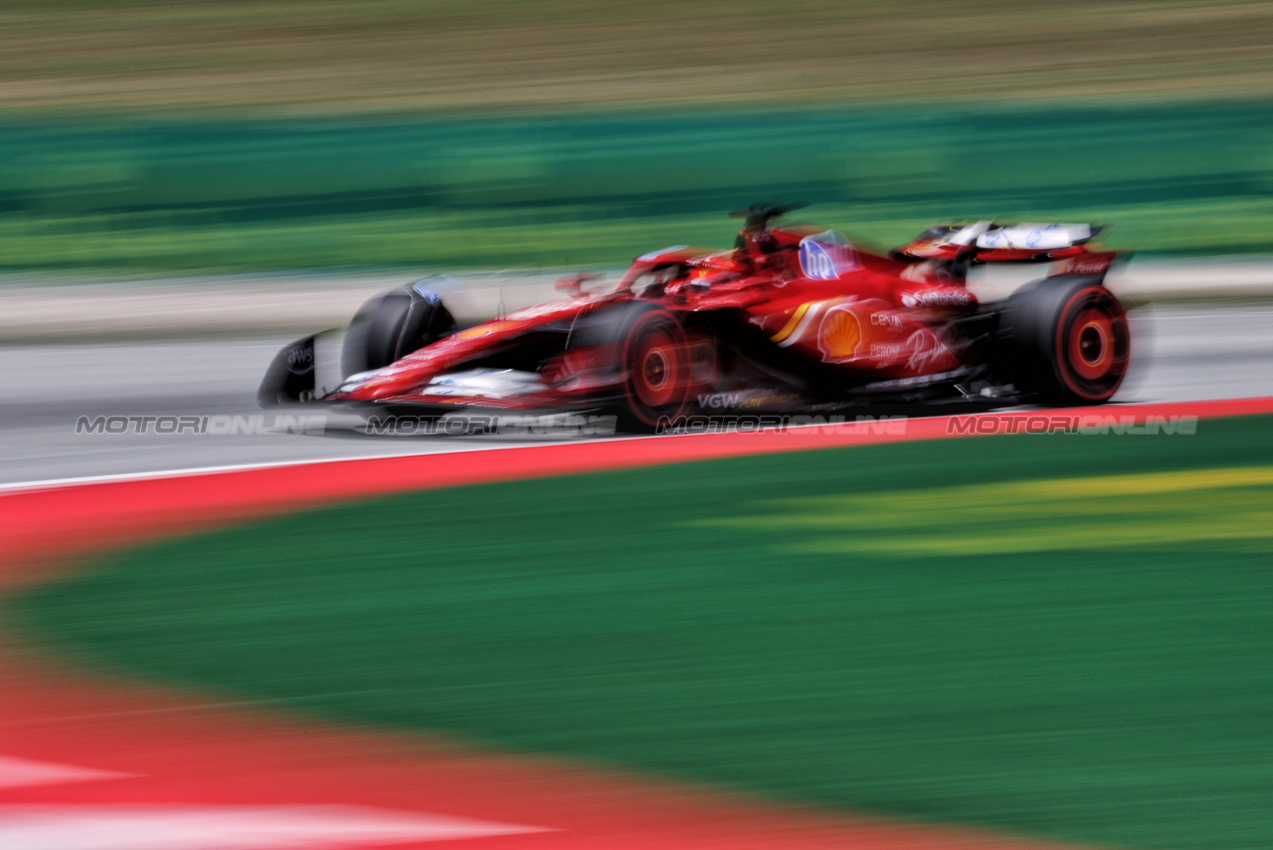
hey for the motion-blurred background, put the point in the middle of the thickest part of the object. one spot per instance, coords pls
(214, 136)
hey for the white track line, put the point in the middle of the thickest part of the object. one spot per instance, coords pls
(187, 827)
(21, 773)
(49, 483)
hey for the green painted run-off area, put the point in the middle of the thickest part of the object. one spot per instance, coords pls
(1062, 635)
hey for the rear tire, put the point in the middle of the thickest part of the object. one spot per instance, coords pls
(1066, 339)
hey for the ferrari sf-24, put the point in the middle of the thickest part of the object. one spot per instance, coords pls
(792, 319)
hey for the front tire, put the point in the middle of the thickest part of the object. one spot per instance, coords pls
(392, 325)
(650, 354)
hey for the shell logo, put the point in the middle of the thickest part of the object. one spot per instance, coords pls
(841, 334)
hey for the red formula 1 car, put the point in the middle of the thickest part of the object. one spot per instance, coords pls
(792, 319)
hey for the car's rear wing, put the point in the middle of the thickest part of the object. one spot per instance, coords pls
(991, 242)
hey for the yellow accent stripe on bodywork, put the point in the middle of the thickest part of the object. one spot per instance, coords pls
(788, 328)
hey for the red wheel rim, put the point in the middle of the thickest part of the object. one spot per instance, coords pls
(655, 377)
(658, 366)
(1092, 344)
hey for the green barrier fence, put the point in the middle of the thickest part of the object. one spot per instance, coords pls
(596, 190)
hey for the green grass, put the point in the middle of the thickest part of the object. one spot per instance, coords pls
(1060, 635)
(325, 56)
(574, 190)
(496, 133)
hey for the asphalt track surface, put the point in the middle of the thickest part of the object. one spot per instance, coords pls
(1183, 353)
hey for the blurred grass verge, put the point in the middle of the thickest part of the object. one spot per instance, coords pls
(356, 56)
(297, 134)
(596, 190)
(1061, 635)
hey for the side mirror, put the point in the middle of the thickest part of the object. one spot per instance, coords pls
(574, 283)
